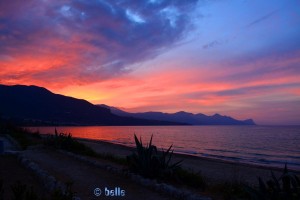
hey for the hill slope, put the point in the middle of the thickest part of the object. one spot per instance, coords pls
(40, 106)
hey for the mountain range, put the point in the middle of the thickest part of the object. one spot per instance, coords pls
(183, 117)
(33, 105)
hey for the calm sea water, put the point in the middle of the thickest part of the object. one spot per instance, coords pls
(260, 145)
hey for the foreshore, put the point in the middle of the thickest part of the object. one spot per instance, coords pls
(216, 171)
(88, 172)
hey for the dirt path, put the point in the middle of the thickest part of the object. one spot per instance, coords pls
(87, 177)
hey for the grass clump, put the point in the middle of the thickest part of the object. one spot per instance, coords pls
(67, 142)
(24, 137)
(287, 187)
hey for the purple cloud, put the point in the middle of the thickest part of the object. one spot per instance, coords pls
(95, 39)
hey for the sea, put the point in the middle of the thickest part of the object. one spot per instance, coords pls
(272, 146)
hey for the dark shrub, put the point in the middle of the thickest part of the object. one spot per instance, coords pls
(68, 143)
(151, 163)
(287, 187)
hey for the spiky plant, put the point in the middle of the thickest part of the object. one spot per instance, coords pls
(149, 162)
(287, 187)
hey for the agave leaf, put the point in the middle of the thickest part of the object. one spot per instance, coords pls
(272, 190)
(166, 153)
(286, 183)
(277, 185)
(138, 145)
(294, 182)
(169, 149)
(285, 171)
(150, 162)
(169, 159)
(141, 142)
(170, 156)
(177, 164)
(155, 149)
(150, 143)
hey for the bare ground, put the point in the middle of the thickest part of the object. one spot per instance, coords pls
(11, 171)
(86, 177)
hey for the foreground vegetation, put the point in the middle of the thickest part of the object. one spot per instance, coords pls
(67, 142)
(24, 191)
(149, 162)
(23, 137)
(287, 187)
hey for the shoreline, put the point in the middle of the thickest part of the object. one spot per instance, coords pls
(182, 155)
(241, 155)
(214, 170)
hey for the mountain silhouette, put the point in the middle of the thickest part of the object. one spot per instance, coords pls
(32, 105)
(183, 117)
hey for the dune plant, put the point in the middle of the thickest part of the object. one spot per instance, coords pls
(287, 187)
(67, 142)
(151, 163)
(19, 134)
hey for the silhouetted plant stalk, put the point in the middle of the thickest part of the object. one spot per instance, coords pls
(67, 142)
(287, 187)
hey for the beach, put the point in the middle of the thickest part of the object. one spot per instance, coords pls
(55, 167)
(213, 170)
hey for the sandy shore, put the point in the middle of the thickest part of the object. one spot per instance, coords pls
(214, 170)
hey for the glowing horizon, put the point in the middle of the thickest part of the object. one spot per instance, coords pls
(235, 58)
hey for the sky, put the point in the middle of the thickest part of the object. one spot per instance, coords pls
(239, 58)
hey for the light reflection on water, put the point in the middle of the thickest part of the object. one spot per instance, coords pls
(262, 145)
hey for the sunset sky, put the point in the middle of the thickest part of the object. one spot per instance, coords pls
(234, 57)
